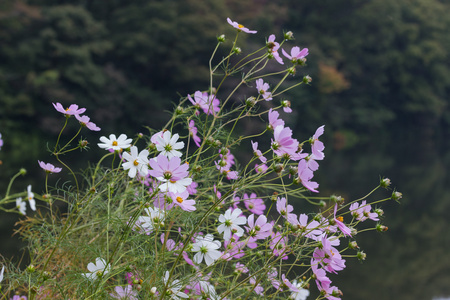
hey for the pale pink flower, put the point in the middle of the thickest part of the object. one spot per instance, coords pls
(49, 168)
(172, 174)
(84, 121)
(240, 27)
(262, 88)
(344, 229)
(208, 103)
(254, 204)
(316, 145)
(258, 152)
(258, 229)
(273, 119)
(283, 143)
(273, 49)
(124, 293)
(296, 54)
(305, 175)
(71, 110)
(193, 133)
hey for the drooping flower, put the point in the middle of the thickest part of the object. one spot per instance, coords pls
(30, 197)
(273, 119)
(230, 222)
(85, 121)
(258, 152)
(278, 244)
(114, 143)
(171, 172)
(273, 49)
(328, 257)
(136, 162)
(254, 204)
(305, 175)
(174, 287)
(206, 247)
(49, 168)
(240, 27)
(193, 132)
(70, 111)
(124, 293)
(316, 145)
(97, 270)
(344, 229)
(262, 88)
(168, 144)
(21, 205)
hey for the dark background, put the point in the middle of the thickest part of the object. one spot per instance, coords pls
(381, 80)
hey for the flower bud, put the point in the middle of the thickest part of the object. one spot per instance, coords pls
(224, 150)
(385, 182)
(152, 147)
(31, 269)
(379, 211)
(83, 144)
(396, 196)
(210, 140)
(22, 171)
(274, 197)
(293, 170)
(217, 143)
(307, 79)
(286, 103)
(361, 255)
(292, 70)
(288, 35)
(221, 38)
(322, 203)
(381, 228)
(250, 102)
(237, 50)
(153, 290)
(353, 245)
(278, 168)
(337, 199)
(179, 110)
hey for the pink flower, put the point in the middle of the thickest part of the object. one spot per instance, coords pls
(273, 119)
(193, 133)
(171, 172)
(344, 229)
(257, 152)
(49, 168)
(84, 121)
(305, 175)
(307, 229)
(258, 229)
(285, 209)
(278, 245)
(273, 49)
(263, 88)
(209, 104)
(240, 27)
(71, 110)
(296, 54)
(180, 199)
(283, 143)
(362, 212)
(328, 257)
(254, 204)
(316, 145)
(286, 104)
(260, 168)
(124, 293)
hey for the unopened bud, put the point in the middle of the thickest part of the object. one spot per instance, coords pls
(381, 228)
(385, 182)
(31, 269)
(250, 102)
(353, 245)
(179, 110)
(221, 38)
(379, 211)
(237, 50)
(292, 70)
(23, 171)
(396, 196)
(278, 168)
(224, 150)
(322, 203)
(217, 143)
(361, 255)
(288, 35)
(337, 199)
(307, 79)
(152, 147)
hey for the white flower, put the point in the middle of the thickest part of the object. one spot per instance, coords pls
(208, 289)
(98, 269)
(230, 223)
(155, 216)
(21, 205)
(168, 145)
(115, 143)
(302, 294)
(136, 162)
(206, 248)
(174, 287)
(30, 197)
(1, 274)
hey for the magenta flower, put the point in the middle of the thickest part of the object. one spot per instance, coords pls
(240, 27)
(1, 141)
(305, 175)
(171, 172)
(296, 54)
(84, 121)
(70, 111)
(283, 143)
(49, 168)
(263, 88)
(274, 122)
(193, 133)
(254, 204)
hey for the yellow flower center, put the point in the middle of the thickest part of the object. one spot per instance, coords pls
(241, 26)
(340, 218)
(114, 143)
(136, 163)
(179, 199)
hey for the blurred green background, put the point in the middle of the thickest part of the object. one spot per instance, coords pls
(381, 85)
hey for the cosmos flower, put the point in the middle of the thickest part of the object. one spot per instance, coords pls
(114, 143)
(49, 168)
(70, 111)
(240, 27)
